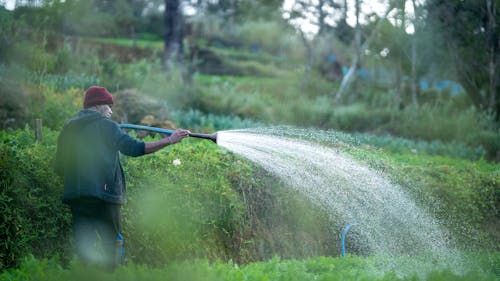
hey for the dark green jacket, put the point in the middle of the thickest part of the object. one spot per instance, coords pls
(88, 158)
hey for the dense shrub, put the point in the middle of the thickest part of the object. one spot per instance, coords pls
(272, 37)
(359, 118)
(471, 127)
(53, 107)
(33, 218)
(131, 106)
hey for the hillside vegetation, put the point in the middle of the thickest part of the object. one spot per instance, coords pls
(199, 209)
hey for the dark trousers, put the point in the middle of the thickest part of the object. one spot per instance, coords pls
(96, 232)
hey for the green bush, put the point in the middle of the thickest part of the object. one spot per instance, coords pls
(53, 107)
(250, 68)
(358, 118)
(272, 37)
(180, 211)
(471, 127)
(33, 218)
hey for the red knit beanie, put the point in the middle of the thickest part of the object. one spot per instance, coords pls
(96, 95)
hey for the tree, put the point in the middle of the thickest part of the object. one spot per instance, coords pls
(343, 30)
(173, 45)
(414, 76)
(469, 30)
(125, 14)
(360, 51)
(320, 13)
(238, 10)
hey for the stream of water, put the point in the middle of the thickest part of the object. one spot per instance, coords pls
(388, 222)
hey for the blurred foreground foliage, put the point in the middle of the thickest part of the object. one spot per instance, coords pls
(482, 267)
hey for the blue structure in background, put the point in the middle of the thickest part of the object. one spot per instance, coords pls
(362, 73)
(424, 85)
(442, 86)
(255, 47)
(344, 70)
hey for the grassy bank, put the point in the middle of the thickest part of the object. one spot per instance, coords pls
(196, 200)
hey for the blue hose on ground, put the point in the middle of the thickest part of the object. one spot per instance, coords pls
(343, 235)
(120, 255)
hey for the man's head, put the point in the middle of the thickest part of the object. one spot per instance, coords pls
(98, 99)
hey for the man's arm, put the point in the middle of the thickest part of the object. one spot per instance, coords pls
(177, 136)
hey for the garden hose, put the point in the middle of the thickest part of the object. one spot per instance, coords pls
(212, 137)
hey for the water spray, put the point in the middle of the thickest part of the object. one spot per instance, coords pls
(212, 137)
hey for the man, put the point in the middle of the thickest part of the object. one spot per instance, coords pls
(88, 159)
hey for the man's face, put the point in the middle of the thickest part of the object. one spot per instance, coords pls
(105, 110)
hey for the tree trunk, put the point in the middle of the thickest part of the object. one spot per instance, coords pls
(345, 10)
(466, 78)
(173, 47)
(133, 36)
(346, 80)
(399, 67)
(414, 78)
(398, 99)
(321, 17)
(310, 56)
(494, 48)
(357, 60)
(357, 36)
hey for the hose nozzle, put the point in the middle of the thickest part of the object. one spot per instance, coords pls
(212, 137)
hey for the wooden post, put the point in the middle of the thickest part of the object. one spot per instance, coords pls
(38, 130)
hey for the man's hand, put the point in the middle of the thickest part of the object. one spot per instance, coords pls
(178, 135)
